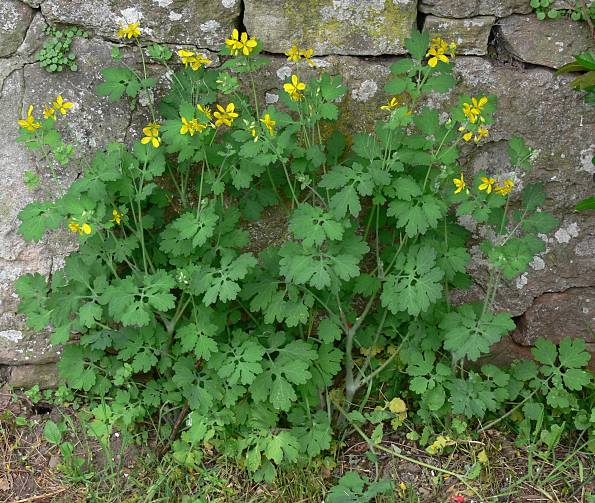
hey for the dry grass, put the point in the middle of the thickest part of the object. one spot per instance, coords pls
(30, 472)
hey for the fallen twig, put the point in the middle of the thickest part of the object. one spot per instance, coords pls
(40, 496)
(587, 16)
(174, 431)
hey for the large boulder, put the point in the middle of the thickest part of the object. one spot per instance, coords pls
(15, 18)
(354, 27)
(23, 347)
(27, 376)
(203, 23)
(470, 8)
(470, 35)
(575, 305)
(552, 42)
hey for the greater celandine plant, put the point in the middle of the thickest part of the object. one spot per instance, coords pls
(163, 312)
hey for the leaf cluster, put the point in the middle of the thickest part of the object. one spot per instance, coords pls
(172, 302)
(56, 54)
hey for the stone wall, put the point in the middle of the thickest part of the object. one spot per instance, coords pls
(502, 49)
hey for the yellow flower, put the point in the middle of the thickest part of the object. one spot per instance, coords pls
(241, 42)
(439, 44)
(186, 57)
(482, 132)
(459, 183)
(473, 110)
(49, 112)
(194, 60)
(479, 104)
(225, 115)
(191, 126)
(233, 42)
(293, 54)
(198, 126)
(294, 88)
(439, 444)
(470, 113)
(62, 106)
(269, 123)
(75, 227)
(151, 132)
(131, 30)
(29, 123)
(435, 56)
(206, 110)
(505, 188)
(248, 44)
(438, 48)
(487, 185)
(252, 129)
(403, 487)
(468, 135)
(117, 216)
(186, 127)
(392, 103)
(199, 60)
(307, 55)
(452, 47)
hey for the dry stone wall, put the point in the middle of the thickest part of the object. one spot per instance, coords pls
(502, 49)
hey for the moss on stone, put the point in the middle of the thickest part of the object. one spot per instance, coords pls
(344, 27)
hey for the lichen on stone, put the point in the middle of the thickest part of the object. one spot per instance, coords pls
(566, 233)
(365, 91)
(332, 26)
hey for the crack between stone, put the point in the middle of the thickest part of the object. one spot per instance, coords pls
(241, 26)
(533, 66)
(9, 74)
(421, 16)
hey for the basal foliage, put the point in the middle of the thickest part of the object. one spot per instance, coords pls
(164, 307)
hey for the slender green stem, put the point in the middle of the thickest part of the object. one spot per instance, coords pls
(493, 423)
(379, 263)
(362, 316)
(351, 384)
(402, 241)
(149, 100)
(331, 313)
(294, 197)
(377, 371)
(140, 220)
(171, 326)
(364, 367)
(396, 454)
(446, 295)
(255, 97)
(368, 225)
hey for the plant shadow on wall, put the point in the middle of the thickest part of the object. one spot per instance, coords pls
(347, 326)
